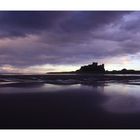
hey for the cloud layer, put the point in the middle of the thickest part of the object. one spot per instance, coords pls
(30, 39)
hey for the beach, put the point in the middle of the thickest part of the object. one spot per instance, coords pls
(70, 101)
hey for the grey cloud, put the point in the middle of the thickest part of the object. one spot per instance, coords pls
(65, 37)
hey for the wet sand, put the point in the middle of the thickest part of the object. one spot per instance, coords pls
(64, 102)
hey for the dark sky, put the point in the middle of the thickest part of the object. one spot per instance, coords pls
(41, 41)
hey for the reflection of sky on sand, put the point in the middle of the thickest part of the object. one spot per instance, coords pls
(54, 88)
(17, 88)
(118, 97)
(122, 98)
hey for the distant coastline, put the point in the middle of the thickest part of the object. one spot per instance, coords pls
(94, 68)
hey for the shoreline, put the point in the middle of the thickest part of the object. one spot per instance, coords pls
(68, 79)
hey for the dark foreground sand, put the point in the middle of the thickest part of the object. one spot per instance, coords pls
(72, 105)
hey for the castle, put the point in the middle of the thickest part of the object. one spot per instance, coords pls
(93, 68)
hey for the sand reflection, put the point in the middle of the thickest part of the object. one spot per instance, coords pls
(122, 98)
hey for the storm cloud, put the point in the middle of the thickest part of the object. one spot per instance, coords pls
(37, 38)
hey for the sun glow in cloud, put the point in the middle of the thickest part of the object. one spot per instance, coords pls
(41, 69)
(128, 62)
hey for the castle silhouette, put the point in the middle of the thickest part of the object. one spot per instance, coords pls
(92, 68)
